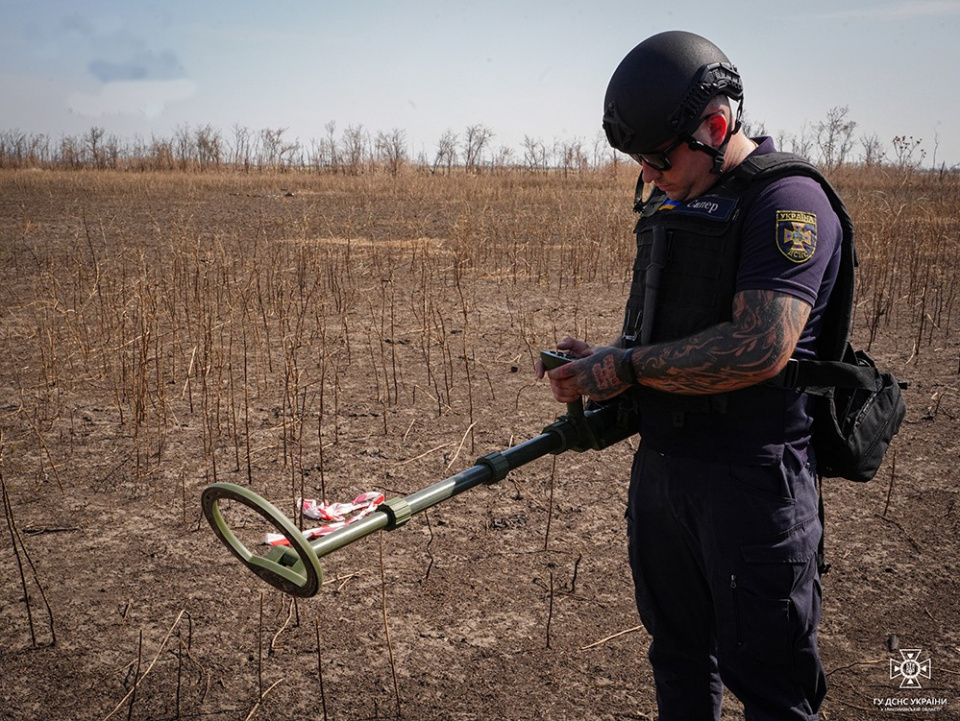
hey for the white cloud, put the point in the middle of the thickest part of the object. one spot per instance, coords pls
(148, 98)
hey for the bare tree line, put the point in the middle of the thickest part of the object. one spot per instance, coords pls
(831, 142)
(354, 150)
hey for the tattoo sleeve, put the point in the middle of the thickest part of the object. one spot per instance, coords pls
(751, 348)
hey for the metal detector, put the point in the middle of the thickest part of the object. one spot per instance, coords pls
(295, 569)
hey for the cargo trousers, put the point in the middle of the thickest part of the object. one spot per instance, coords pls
(724, 562)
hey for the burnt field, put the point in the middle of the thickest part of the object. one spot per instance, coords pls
(327, 335)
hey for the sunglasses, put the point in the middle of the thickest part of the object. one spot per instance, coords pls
(659, 160)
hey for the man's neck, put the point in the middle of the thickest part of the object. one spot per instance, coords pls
(739, 147)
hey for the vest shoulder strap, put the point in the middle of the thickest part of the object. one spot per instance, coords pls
(838, 316)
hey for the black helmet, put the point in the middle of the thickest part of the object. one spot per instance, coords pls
(662, 86)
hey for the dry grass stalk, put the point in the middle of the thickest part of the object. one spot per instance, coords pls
(21, 554)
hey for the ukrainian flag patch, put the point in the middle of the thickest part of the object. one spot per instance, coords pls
(796, 234)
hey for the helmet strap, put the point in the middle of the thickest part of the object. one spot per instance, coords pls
(718, 156)
(721, 151)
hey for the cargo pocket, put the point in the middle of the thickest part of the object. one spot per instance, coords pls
(797, 544)
(762, 627)
(771, 596)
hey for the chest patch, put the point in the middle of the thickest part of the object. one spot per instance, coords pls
(712, 207)
(796, 235)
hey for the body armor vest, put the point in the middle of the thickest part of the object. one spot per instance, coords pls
(685, 272)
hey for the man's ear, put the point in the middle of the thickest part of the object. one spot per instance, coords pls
(717, 125)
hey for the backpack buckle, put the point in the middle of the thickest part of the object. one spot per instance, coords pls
(790, 375)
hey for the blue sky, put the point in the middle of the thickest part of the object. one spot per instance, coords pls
(534, 68)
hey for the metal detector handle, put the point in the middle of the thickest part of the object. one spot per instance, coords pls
(294, 570)
(554, 359)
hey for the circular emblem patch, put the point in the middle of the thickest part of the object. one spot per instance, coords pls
(796, 234)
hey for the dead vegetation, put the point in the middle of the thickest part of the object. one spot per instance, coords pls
(323, 335)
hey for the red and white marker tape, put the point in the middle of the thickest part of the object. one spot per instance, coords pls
(339, 515)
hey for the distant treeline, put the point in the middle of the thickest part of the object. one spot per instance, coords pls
(832, 143)
(355, 150)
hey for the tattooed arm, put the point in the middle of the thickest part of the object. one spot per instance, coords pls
(754, 346)
(751, 348)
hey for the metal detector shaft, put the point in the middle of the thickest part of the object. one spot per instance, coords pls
(397, 511)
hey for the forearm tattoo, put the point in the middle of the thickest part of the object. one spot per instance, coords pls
(751, 348)
(601, 379)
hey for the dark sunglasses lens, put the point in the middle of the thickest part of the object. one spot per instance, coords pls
(657, 161)
(660, 160)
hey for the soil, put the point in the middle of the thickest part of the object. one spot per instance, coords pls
(513, 600)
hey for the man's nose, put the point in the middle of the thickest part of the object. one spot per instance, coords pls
(648, 172)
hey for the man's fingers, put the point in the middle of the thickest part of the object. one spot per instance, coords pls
(563, 383)
(565, 395)
(574, 346)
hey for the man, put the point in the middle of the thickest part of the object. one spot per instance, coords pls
(733, 272)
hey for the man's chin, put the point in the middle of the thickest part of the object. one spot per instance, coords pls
(672, 193)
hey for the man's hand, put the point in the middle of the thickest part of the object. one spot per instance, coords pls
(570, 346)
(600, 373)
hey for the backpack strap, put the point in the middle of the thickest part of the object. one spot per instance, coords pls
(820, 377)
